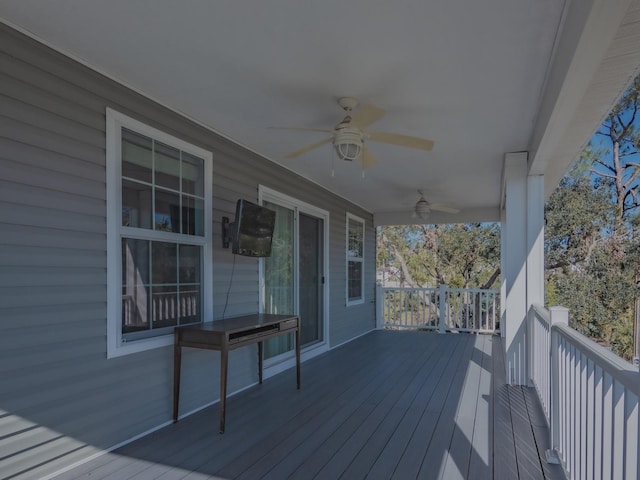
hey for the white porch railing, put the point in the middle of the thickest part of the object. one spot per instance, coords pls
(442, 309)
(590, 398)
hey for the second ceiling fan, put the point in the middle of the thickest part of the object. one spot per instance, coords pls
(349, 136)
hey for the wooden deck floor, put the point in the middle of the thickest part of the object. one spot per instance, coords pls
(390, 405)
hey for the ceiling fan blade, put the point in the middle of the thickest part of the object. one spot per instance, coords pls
(367, 159)
(308, 148)
(306, 129)
(366, 115)
(401, 140)
(444, 208)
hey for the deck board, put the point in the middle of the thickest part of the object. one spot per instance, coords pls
(438, 448)
(387, 405)
(481, 460)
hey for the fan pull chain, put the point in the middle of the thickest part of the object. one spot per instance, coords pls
(333, 161)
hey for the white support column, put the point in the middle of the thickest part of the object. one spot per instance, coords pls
(514, 259)
(557, 315)
(535, 251)
(443, 308)
(379, 306)
(503, 277)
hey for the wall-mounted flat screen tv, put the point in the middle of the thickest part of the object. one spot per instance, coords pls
(253, 229)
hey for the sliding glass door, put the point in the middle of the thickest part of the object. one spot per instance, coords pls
(311, 278)
(293, 276)
(279, 276)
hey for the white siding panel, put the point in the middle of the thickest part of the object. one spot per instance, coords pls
(17, 214)
(46, 140)
(17, 256)
(51, 122)
(47, 236)
(38, 194)
(50, 101)
(51, 162)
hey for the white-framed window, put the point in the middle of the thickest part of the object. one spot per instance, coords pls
(355, 260)
(159, 235)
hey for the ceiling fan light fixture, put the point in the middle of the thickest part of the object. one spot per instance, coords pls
(422, 208)
(348, 145)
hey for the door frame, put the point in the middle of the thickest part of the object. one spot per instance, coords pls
(286, 360)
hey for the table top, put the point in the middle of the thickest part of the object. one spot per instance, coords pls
(241, 323)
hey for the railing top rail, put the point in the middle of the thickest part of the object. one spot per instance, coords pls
(621, 371)
(542, 312)
(435, 289)
(412, 289)
(476, 290)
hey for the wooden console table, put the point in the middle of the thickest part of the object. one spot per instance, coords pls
(229, 334)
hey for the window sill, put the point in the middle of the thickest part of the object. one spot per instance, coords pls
(137, 346)
(352, 303)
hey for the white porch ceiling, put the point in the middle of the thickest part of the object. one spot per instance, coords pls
(479, 78)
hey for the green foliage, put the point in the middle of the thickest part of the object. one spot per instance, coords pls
(576, 215)
(458, 255)
(622, 338)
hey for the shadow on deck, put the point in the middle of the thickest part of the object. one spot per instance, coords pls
(389, 405)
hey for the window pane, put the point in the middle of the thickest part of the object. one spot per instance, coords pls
(189, 289)
(135, 261)
(164, 261)
(135, 285)
(356, 235)
(189, 297)
(189, 264)
(135, 308)
(192, 216)
(167, 215)
(165, 306)
(192, 175)
(167, 166)
(355, 280)
(279, 277)
(136, 156)
(136, 204)
(165, 287)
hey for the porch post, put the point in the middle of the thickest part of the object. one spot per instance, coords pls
(557, 315)
(379, 306)
(535, 254)
(443, 308)
(514, 261)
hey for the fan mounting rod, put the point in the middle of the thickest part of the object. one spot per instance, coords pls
(348, 103)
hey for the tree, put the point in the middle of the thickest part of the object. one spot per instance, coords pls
(460, 255)
(576, 215)
(614, 154)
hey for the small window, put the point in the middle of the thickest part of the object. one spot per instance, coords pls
(158, 241)
(355, 260)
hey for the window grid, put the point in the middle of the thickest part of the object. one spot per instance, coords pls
(355, 260)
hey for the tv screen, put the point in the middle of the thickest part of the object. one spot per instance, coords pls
(253, 230)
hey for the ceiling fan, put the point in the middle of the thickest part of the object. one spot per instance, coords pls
(423, 208)
(348, 136)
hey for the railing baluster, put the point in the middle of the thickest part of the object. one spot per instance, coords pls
(632, 430)
(597, 424)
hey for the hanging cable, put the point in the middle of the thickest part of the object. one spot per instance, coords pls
(233, 268)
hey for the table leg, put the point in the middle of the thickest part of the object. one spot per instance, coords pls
(298, 355)
(260, 362)
(224, 364)
(177, 361)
